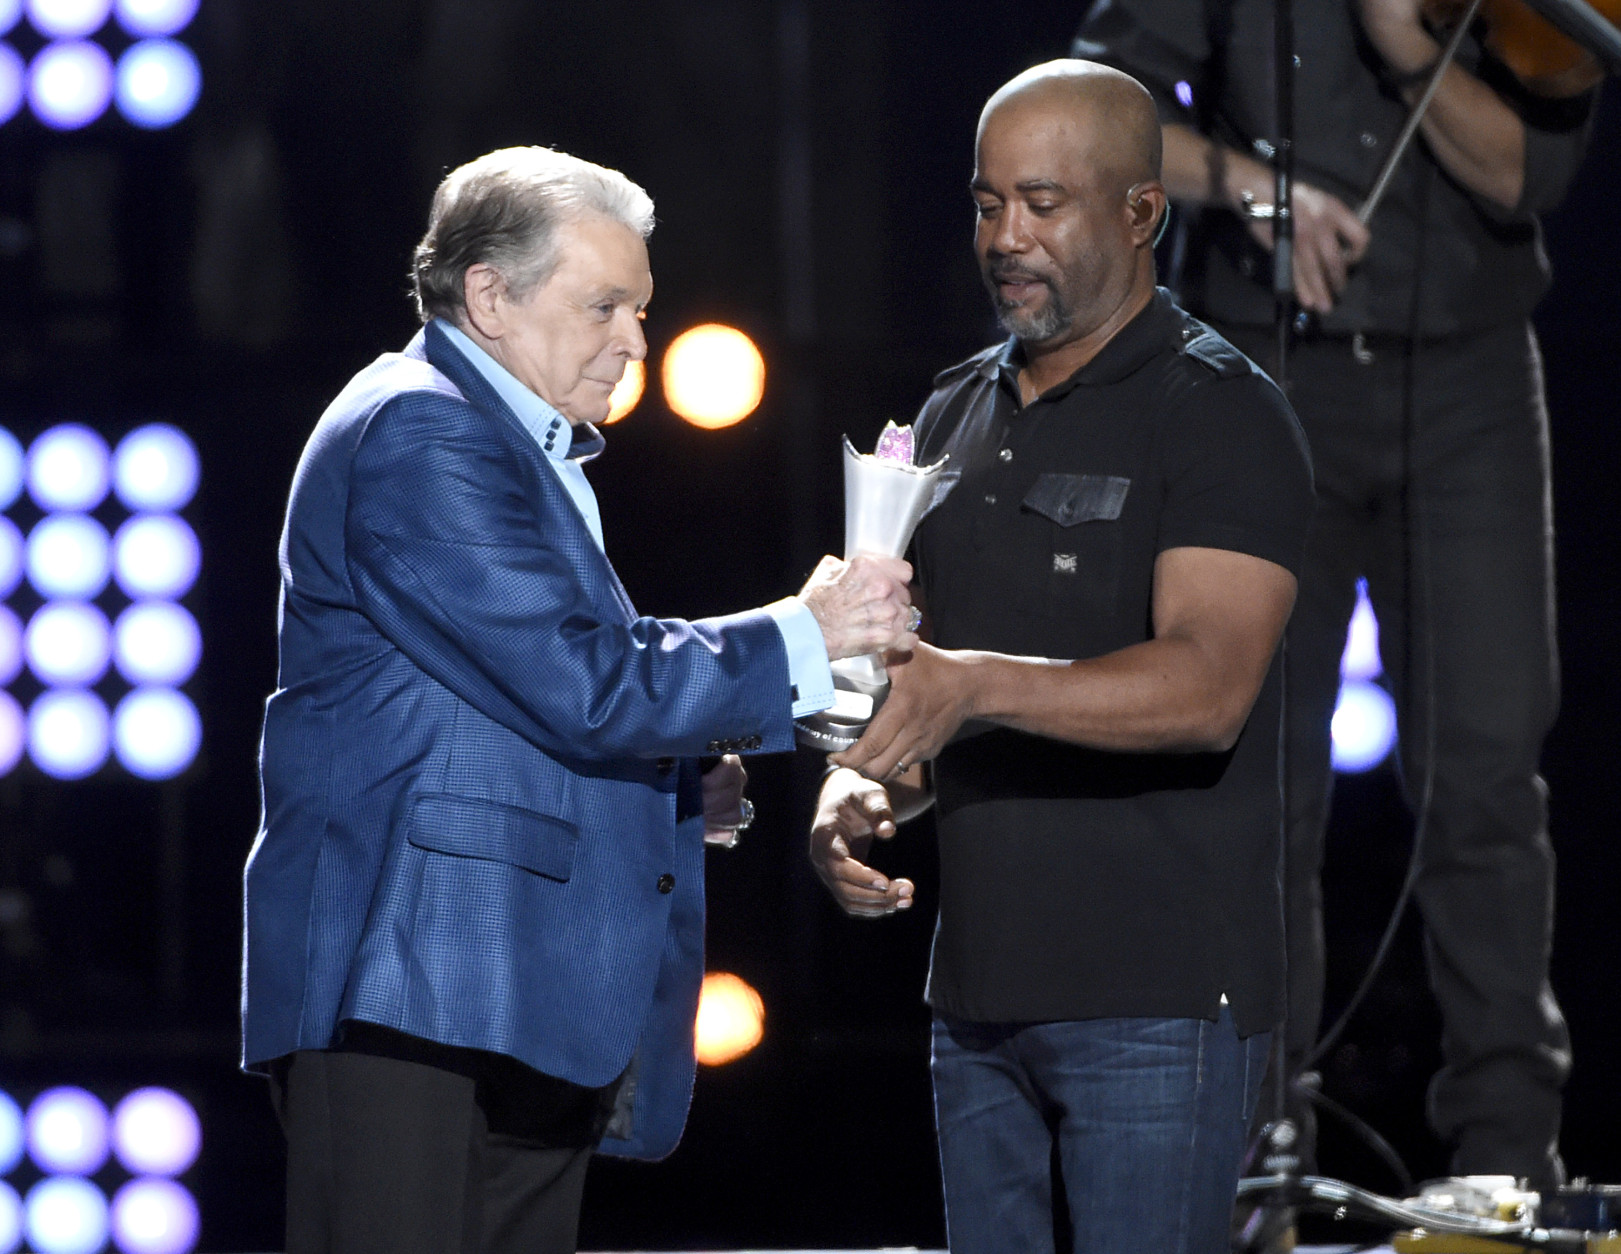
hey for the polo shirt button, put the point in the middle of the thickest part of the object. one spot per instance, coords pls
(990, 498)
(666, 883)
(1006, 455)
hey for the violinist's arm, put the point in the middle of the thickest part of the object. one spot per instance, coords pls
(1328, 238)
(1475, 135)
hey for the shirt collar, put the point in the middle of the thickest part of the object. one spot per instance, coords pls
(1132, 347)
(557, 438)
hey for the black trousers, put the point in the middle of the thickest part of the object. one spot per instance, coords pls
(397, 1145)
(1433, 485)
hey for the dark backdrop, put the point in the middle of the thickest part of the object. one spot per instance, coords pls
(810, 164)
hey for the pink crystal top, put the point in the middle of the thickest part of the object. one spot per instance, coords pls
(895, 445)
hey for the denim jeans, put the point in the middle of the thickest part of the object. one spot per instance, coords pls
(1145, 1120)
(1433, 485)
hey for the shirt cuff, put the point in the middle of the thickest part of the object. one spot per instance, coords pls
(810, 676)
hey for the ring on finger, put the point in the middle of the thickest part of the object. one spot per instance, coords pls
(914, 619)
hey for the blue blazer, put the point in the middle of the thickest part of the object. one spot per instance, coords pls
(472, 762)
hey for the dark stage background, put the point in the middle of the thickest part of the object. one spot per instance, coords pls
(810, 164)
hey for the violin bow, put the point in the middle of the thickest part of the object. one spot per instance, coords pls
(1404, 140)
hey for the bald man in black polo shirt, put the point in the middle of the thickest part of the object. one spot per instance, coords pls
(1106, 586)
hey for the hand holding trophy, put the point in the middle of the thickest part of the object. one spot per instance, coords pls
(885, 497)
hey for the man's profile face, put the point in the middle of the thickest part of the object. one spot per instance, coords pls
(569, 340)
(1053, 236)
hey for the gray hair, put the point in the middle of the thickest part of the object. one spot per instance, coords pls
(503, 210)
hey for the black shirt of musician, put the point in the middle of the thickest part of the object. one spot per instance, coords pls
(1077, 883)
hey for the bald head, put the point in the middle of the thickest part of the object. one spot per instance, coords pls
(1069, 200)
(1110, 114)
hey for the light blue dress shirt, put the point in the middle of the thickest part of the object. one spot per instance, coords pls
(808, 670)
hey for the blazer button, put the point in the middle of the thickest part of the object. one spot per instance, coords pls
(666, 883)
(666, 765)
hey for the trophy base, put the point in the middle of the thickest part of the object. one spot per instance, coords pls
(817, 732)
(859, 688)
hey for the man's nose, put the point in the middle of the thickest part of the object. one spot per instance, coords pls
(1010, 234)
(632, 339)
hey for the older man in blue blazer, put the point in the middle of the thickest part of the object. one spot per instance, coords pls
(474, 910)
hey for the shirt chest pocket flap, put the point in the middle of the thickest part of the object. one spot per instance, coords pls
(470, 828)
(1069, 499)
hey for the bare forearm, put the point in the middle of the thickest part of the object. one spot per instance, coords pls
(1200, 171)
(1165, 695)
(1475, 136)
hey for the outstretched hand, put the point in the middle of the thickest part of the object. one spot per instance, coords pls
(930, 697)
(851, 811)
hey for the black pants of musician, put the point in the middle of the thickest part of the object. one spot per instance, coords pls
(1431, 464)
(396, 1145)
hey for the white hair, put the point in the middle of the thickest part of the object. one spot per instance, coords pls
(503, 210)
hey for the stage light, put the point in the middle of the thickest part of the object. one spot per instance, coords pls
(731, 1019)
(155, 468)
(1184, 93)
(156, 1132)
(1364, 727)
(68, 733)
(13, 463)
(1361, 657)
(627, 391)
(11, 12)
(156, 642)
(156, 733)
(713, 376)
(70, 84)
(11, 1137)
(67, 556)
(68, 19)
(69, 468)
(68, 643)
(155, 555)
(144, 18)
(13, 83)
(65, 1215)
(154, 1216)
(67, 1131)
(158, 83)
(11, 557)
(11, 1219)
(11, 647)
(13, 733)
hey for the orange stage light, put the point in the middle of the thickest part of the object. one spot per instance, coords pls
(627, 392)
(713, 376)
(731, 1019)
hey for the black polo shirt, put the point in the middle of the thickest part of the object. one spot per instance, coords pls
(1077, 883)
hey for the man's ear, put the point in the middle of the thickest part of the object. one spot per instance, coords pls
(483, 296)
(1149, 210)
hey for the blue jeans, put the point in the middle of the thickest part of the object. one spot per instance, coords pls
(1147, 1116)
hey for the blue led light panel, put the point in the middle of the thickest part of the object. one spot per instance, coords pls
(69, 63)
(97, 644)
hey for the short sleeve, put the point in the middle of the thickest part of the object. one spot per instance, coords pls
(1238, 472)
(1556, 136)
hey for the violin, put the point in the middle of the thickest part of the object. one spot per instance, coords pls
(1545, 60)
